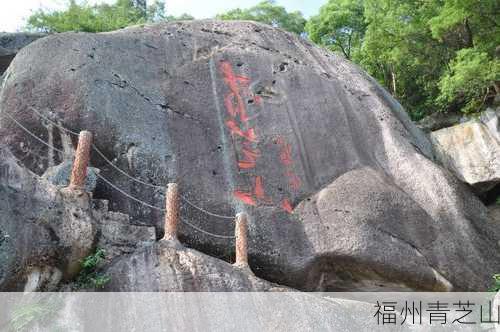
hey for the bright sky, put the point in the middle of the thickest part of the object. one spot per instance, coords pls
(13, 13)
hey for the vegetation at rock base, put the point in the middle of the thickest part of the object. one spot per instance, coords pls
(496, 283)
(432, 55)
(89, 277)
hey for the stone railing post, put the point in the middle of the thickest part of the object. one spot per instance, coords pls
(241, 234)
(172, 212)
(81, 162)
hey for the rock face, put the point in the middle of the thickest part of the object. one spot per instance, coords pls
(165, 267)
(439, 120)
(11, 44)
(490, 119)
(341, 187)
(472, 151)
(45, 231)
(356, 202)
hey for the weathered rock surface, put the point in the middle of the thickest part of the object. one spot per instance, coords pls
(247, 117)
(60, 176)
(494, 213)
(11, 44)
(490, 119)
(46, 231)
(117, 235)
(439, 120)
(166, 267)
(357, 201)
(471, 150)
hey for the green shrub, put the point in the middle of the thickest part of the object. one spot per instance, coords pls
(468, 80)
(496, 283)
(89, 277)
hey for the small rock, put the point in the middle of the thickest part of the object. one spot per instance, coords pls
(60, 176)
(438, 121)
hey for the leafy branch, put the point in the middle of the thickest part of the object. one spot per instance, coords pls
(89, 277)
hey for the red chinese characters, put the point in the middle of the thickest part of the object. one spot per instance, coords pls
(287, 162)
(246, 140)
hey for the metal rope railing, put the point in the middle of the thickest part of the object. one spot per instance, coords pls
(103, 156)
(206, 232)
(32, 134)
(115, 187)
(112, 185)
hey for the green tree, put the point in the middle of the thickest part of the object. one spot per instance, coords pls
(469, 80)
(431, 55)
(270, 13)
(471, 29)
(340, 26)
(81, 16)
(468, 24)
(400, 51)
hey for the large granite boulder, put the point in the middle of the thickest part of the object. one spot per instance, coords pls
(471, 150)
(250, 118)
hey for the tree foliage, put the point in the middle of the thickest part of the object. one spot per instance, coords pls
(469, 80)
(340, 25)
(81, 16)
(270, 13)
(431, 55)
(468, 23)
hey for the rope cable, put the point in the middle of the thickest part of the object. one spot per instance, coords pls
(33, 135)
(208, 233)
(112, 185)
(53, 122)
(117, 188)
(205, 211)
(103, 156)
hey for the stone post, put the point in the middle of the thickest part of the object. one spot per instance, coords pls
(241, 233)
(81, 162)
(172, 211)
